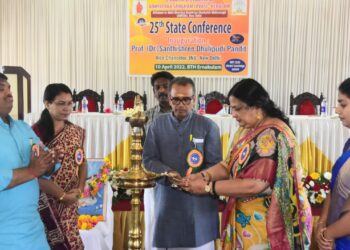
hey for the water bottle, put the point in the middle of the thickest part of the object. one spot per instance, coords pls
(226, 109)
(115, 108)
(324, 107)
(84, 105)
(120, 105)
(202, 105)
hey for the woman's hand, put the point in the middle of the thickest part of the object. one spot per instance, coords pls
(71, 197)
(322, 241)
(194, 177)
(195, 185)
(190, 178)
(318, 232)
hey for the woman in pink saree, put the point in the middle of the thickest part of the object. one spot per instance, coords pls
(267, 206)
(58, 203)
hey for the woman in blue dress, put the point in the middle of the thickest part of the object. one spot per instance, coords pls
(333, 230)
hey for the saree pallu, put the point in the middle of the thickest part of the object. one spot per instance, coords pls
(61, 221)
(53, 230)
(279, 218)
(340, 190)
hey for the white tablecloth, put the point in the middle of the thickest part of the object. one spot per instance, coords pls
(101, 236)
(327, 133)
(108, 134)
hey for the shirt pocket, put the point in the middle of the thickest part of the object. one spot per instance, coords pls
(200, 147)
(198, 143)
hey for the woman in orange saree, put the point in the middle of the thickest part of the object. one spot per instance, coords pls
(267, 206)
(58, 200)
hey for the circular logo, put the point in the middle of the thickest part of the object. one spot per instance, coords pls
(244, 154)
(235, 65)
(195, 158)
(79, 156)
(237, 38)
(141, 21)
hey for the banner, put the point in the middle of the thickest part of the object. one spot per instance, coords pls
(189, 37)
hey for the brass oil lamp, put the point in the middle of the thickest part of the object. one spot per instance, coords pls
(136, 178)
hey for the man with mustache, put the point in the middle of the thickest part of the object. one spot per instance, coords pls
(22, 161)
(160, 81)
(180, 143)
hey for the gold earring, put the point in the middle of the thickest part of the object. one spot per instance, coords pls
(258, 116)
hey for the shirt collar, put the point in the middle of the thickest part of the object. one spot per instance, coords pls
(4, 124)
(187, 118)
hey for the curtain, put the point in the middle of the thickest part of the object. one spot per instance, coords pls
(296, 46)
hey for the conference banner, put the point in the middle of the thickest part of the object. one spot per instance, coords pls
(189, 37)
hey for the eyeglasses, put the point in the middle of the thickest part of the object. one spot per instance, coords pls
(185, 100)
(64, 104)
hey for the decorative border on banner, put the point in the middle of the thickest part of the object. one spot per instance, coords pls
(150, 29)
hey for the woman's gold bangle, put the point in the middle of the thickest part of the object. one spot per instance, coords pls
(224, 165)
(62, 197)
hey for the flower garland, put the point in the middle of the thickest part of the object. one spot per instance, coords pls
(317, 186)
(86, 222)
(133, 111)
(94, 184)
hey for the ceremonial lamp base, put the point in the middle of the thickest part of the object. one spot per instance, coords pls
(135, 179)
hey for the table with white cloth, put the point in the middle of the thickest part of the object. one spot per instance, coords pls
(321, 140)
(100, 237)
(108, 135)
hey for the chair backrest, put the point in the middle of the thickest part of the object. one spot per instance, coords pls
(93, 99)
(214, 102)
(21, 88)
(129, 97)
(305, 104)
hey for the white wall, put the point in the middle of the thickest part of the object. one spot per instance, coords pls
(297, 45)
